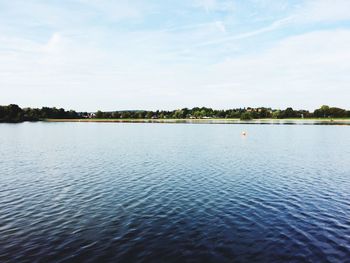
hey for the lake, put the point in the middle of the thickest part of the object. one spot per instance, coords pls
(124, 192)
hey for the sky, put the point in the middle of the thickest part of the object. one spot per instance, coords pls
(107, 55)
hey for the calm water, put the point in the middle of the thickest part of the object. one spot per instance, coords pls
(94, 192)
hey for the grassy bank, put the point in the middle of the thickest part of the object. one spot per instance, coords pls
(212, 120)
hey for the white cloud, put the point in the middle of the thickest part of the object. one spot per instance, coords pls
(207, 4)
(88, 67)
(221, 26)
(216, 5)
(116, 10)
(324, 11)
(304, 71)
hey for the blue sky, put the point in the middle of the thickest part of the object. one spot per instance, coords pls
(133, 54)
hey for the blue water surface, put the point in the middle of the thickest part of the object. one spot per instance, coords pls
(104, 192)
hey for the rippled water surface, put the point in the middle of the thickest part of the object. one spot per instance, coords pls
(94, 192)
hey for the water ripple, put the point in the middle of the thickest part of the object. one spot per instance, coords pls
(73, 192)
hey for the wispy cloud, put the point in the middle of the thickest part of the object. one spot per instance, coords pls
(275, 25)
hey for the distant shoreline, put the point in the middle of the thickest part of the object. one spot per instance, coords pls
(14, 114)
(311, 121)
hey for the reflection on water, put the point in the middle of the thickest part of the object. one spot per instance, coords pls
(95, 192)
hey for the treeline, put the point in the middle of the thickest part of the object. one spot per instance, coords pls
(13, 113)
(239, 113)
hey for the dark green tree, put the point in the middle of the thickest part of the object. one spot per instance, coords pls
(246, 116)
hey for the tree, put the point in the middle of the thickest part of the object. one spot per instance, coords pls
(178, 114)
(99, 114)
(324, 110)
(246, 116)
(264, 113)
(289, 113)
(276, 114)
(337, 112)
